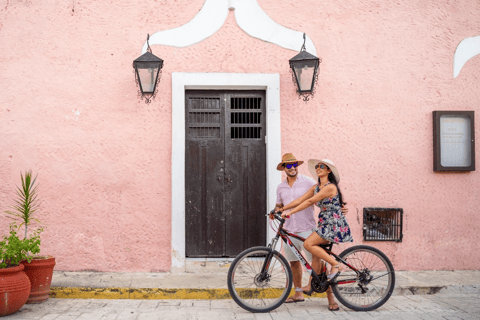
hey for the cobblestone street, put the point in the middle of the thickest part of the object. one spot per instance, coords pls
(466, 306)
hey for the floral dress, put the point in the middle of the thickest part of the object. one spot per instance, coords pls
(332, 224)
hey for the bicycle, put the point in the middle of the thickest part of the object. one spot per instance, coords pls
(260, 278)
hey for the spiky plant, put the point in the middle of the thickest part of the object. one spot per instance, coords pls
(26, 203)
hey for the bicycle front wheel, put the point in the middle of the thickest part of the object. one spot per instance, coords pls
(258, 291)
(374, 284)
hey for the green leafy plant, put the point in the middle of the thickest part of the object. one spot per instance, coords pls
(13, 250)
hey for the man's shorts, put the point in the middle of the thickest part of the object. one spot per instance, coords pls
(299, 245)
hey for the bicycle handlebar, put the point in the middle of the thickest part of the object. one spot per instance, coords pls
(277, 215)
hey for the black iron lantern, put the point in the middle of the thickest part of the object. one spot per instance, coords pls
(148, 68)
(304, 68)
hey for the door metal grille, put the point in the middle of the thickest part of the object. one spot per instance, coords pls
(246, 118)
(204, 118)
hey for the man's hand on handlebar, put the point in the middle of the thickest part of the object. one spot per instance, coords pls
(276, 210)
(279, 210)
(277, 214)
(285, 215)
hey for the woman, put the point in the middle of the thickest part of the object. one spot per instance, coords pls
(332, 225)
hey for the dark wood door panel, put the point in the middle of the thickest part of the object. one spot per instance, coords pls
(204, 175)
(225, 172)
(245, 158)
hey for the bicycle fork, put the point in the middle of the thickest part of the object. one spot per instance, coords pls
(263, 276)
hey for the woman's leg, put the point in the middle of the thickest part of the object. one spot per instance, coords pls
(317, 266)
(311, 245)
(332, 304)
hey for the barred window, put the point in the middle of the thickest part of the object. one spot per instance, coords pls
(204, 118)
(246, 118)
(383, 224)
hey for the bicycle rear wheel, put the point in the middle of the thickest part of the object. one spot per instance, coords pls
(254, 292)
(372, 287)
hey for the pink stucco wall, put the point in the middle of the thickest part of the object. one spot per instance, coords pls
(69, 111)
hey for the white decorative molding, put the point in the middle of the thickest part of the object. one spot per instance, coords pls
(467, 49)
(228, 81)
(250, 18)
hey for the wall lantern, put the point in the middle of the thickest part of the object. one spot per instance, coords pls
(147, 70)
(304, 68)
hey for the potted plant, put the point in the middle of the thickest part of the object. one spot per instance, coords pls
(39, 269)
(15, 285)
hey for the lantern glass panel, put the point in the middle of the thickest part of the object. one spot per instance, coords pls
(147, 76)
(304, 72)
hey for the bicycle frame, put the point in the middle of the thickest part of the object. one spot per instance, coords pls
(260, 278)
(285, 235)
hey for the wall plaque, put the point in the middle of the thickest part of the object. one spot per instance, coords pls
(453, 141)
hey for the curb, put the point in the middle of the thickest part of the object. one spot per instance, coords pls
(145, 293)
(219, 294)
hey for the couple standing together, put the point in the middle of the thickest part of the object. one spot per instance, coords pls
(296, 196)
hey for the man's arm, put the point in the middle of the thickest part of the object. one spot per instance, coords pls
(278, 206)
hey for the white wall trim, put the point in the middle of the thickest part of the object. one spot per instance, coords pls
(250, 18)
(231, 81)
(467, 49)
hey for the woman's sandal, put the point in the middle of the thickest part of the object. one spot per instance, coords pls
(331, 306)
(333, 275)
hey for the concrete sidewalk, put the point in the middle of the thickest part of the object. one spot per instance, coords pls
(102, 285)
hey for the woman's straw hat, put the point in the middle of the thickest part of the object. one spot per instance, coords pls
(287, 158)
(313, 162)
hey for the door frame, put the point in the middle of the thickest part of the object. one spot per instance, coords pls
(182, 81)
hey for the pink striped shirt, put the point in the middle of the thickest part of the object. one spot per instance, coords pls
(303, 220)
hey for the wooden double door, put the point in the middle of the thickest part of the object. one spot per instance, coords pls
(225, 172)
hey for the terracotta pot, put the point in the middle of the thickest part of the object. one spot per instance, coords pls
(40, 272)
(14, 289)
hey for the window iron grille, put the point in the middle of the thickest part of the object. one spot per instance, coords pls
(204, 118)
(246, 118)
(383, 224)
(246, 103)
(246, 132)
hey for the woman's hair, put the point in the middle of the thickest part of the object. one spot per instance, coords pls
(331, 178)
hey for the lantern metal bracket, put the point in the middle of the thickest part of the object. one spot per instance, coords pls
(304, 40)
(148, 44)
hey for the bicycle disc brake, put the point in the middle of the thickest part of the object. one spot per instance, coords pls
(261, 280)
(364, 279)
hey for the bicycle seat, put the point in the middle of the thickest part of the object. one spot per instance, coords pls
(326, 246)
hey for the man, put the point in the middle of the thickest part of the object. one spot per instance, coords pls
(302, 223)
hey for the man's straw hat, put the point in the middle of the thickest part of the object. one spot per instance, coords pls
(287, 158)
